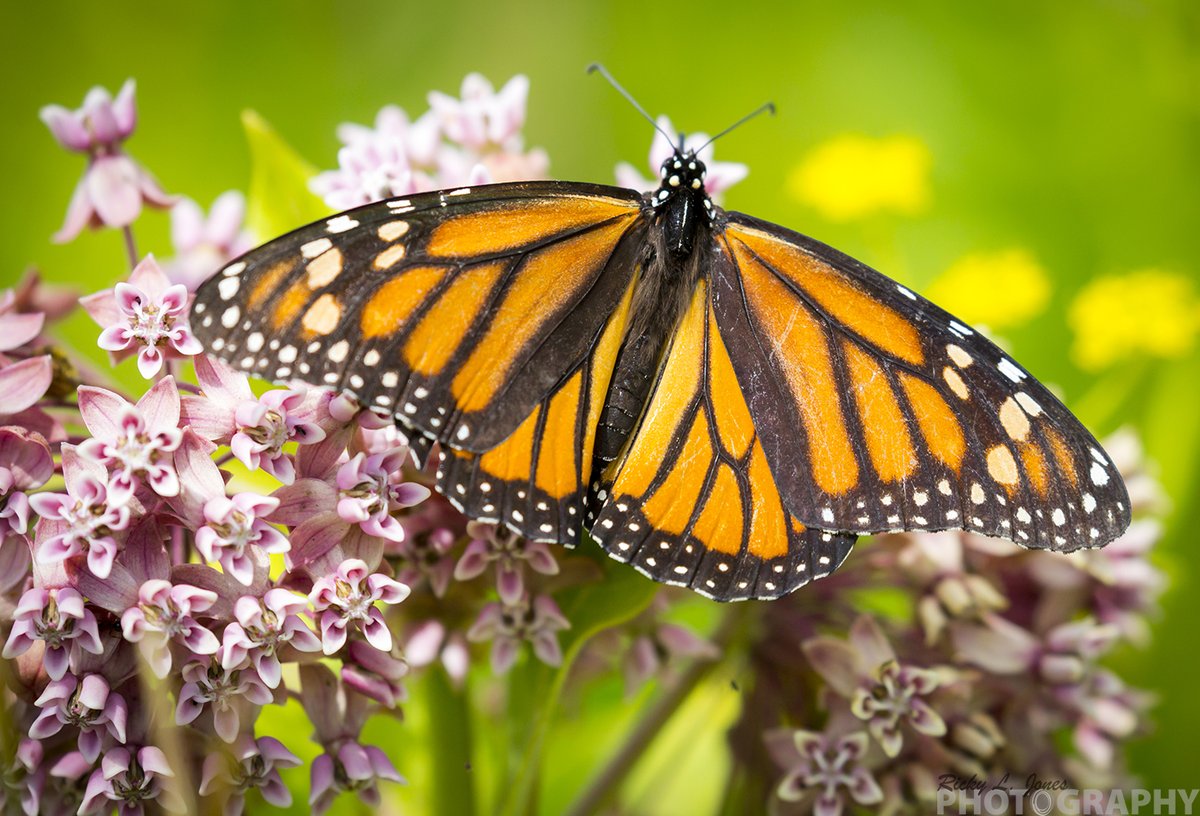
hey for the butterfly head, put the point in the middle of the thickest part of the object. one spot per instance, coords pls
(683, 177)
(682, 171)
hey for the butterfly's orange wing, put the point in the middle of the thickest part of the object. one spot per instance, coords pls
(456, 312)
(879, 411)
(693, 501)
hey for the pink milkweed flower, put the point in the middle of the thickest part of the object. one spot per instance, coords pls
(374, 674)
(59, 618)
(824, 766)
(509, 552)
(652, 651)
(486, 124)
(148, 315)
(508, 626)
(232, 527)
(371, 489)
(135, 442)
(483, 117)
(430, 640)
(84, 520)
(882, 691)
(87, 704)
(349, 766)
(226, 691)
(163, 614)
(719, 178)
(24, 777)
(265, 425)
(426, 553)
(265, 627)
(129, 779)
(204, 244)
(372, 168)
(256, 429)
(348, 597)
(25, 463)
(114, 186)
(252, 763)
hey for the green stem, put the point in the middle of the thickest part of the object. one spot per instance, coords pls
(450, 720)
(606, 783)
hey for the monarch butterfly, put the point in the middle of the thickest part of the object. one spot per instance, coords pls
(721, 402)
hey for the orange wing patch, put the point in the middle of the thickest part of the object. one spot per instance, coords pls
(435, 339)
(528, 303)
(888, 441)
(388, 310)
(801, 350)
(521, 223)
(835, 293)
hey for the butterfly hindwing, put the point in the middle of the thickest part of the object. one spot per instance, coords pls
(536, 480)
(879, 411)
(458, 312)
(693, 501)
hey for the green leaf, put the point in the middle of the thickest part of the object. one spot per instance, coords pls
(279, 200)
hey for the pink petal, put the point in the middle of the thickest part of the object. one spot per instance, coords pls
(129, 298)
(112, 185)
(124, 109)
(102, 306)
(23, 384)
(66, 127)
(160, 406)
(101, 409)
(149, 362)
(115, 338)
(18, 329)
(80, 213)
(187, 225)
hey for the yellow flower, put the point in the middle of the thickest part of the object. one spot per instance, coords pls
(854, 176)
(1148, 311)
(995, 289)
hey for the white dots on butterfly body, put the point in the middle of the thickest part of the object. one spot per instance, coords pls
(904, 290)
(228, 287)
(233, 269)
(230, 317)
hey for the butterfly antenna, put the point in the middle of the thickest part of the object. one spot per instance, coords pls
(596, 67)
(768, 107)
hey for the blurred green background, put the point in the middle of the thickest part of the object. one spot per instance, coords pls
(1066, 131)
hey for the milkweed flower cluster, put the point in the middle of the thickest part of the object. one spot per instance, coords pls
(178, 564)
(472, 139)
(134, 568)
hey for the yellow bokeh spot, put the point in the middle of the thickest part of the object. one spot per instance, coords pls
(995, 289)
(852, 176)
(1147, 312)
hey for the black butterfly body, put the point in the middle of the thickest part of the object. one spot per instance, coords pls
(719, 401)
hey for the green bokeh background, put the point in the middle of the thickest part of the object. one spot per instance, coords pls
(1069, 129)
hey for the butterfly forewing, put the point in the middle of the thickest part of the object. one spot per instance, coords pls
(880, 411)
(457, 312)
